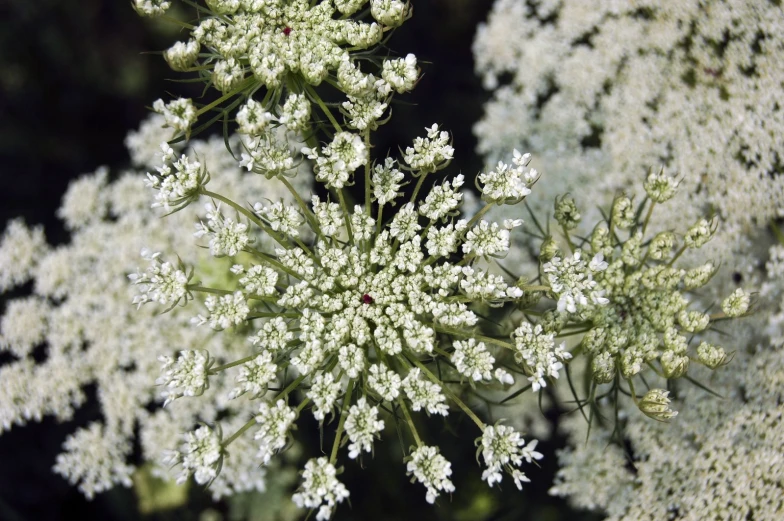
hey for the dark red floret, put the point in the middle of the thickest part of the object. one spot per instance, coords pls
(287, 31)
(367, 299)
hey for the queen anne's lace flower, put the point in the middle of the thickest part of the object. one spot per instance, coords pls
(187, 375)
(431, 469)
(198, 456)
(504, 449)
(362, 425)
(179, 114)
(274, 425)
(320, 488)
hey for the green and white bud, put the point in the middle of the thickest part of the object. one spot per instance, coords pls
(601, 241)
(673, 365)
(603, 367)
(660, 187)
(693, 321)
(181, 56)
(548, 250)
(566, 212)
(737, 304)
(711, 356)
(674, 341)
(391, 13)
(699, 276)
(661, 245)
(623, 212)
(656, 404)
(700, 233)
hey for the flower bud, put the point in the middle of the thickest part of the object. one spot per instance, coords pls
(223, 6)
(711, 356)
(553, 321)
(700, 233)
(673, 365)
(693, 321)
(736, 304)
(601, 241)
(630, 253)
(391, 13)
(566, 212)
(548, 250)
(151, 8)
(661, 245)
(181, 56)
(660, 187)
(603, 367)
(675, 342)
(623, 212)
(699, 276)
(593, 340)
(655, 404)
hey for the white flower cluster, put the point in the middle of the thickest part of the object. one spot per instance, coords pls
(504, 448)
(602, 92)
(431, 469)
(320, 488)
(80, 319)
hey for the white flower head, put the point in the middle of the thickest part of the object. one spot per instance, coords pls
(186, 375)
(180, 114)
(362, 426)
(431, 469)
(503, 448)
(320, 488)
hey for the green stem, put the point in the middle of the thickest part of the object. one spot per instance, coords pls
(239, 433)
(417, 187)
(680, 252)
(290, 387)
(568, 239)
(242, 86)
(304, 207)
(409, 420)
(648, 217)
(216, 370)
(260, 314)
(247, 213)
(343, 414)
(479, 423)
(324, 109)
(367, 173)
(478, 215)
(378, 219)
(465, 334)
(202, 289)
(346, 216)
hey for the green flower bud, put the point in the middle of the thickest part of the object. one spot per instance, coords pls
(594, 339)
(223, 6)
(661, 245)
(711, 356)
(601, 241)
(693, 321)
(548, 250)
(699, 276)
(660, 187)
(701, 232)
(566, 212)
(603, 367)
(737, 304)
(623, 212)
(656, 404)
(673, 365)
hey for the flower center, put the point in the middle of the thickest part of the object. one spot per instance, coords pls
(287, 31)
(367, 299)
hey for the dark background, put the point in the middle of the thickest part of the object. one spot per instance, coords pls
(74, 80)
